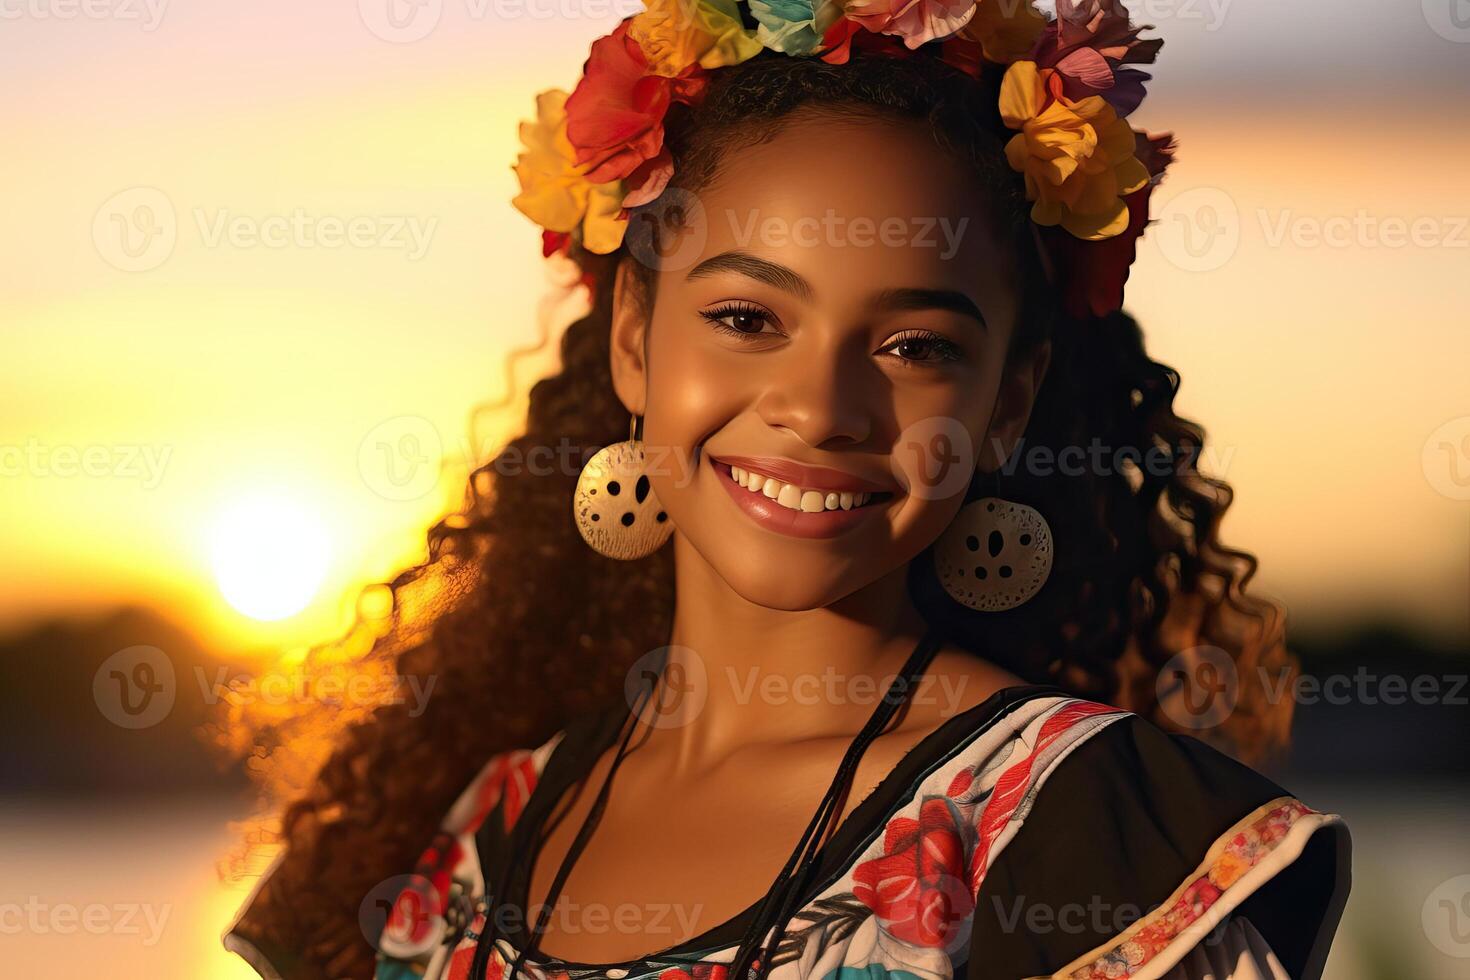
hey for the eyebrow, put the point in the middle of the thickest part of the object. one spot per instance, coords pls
(931, 299)
(779, 276)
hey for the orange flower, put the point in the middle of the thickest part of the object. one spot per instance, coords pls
(1077, 157)
(555, 192)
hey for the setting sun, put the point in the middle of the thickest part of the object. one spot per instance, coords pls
(269, 556)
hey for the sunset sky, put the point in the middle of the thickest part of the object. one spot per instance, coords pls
(223, 385)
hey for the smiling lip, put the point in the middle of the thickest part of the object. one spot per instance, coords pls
(795, 523)
(808, 477)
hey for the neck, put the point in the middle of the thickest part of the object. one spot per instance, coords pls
(741, 673)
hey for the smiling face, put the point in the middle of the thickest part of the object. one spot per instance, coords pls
(822, 375)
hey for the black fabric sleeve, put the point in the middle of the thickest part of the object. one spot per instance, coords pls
(1120, 834)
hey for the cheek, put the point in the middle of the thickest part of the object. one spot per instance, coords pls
(692, 393)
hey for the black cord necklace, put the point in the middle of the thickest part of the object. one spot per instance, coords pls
(776, 908)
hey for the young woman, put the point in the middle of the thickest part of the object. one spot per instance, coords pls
(852, 650)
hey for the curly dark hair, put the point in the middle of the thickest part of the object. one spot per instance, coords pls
(523, 626)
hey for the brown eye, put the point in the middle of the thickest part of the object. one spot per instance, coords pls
(919, 347)
(740, 320)
(744, 322)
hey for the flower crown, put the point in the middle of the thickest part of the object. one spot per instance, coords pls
(1068, 84)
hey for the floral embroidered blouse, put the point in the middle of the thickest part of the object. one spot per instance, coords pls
(1066, 839)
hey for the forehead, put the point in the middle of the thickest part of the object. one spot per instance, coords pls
(856, 204)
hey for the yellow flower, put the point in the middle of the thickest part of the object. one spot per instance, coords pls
(675, 34)
(555, 192)
(1077, 156)
(1006, 29)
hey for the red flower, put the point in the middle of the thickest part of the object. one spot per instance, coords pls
(845, 35)
(917, 889)
(615, 116)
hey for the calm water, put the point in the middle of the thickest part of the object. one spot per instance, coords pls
(130, 892)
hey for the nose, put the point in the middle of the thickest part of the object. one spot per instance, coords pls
(820, 398)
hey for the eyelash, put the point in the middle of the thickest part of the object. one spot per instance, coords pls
(947, 349)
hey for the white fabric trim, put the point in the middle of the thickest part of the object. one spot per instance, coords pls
(1281, 856)
(1241, 953)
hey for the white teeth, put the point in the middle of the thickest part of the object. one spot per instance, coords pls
(794, 497)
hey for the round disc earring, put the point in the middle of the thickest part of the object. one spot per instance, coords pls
(995, 554)
(615, 508)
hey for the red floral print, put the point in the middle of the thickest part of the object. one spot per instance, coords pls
(916, 888)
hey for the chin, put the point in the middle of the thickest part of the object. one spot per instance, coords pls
(792, 589)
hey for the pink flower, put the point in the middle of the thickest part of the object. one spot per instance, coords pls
(1090, 44)
(916, 21)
